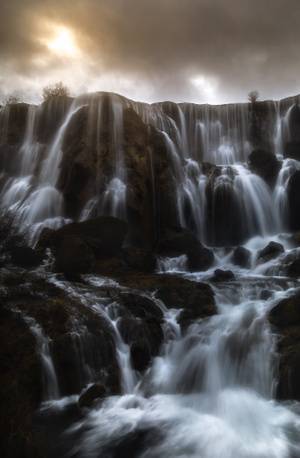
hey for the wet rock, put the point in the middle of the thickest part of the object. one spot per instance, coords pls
(292, 151)
(241, 257)
(294, 239)
(265, 164)
(197, 299)
(285, 318)
(141, 306)
(266, 294)
(74, 256)
(140, 355)
(294, 269)
(95, 391)
(271, 251)
(24, 256)
(77, 246)
(20, 386)
(178, 241)
(293, 194)
(13, 132)
(139, 259)
(294, 123)
(143, 323)
(222, 275)
(223, 211)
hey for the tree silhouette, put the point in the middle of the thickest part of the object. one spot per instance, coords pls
(50, 91)
(253, 96)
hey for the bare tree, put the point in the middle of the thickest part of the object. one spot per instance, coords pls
(12, 100)
(253, 96)
(50, 91)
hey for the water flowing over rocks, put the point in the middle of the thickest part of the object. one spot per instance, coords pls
(149, 279)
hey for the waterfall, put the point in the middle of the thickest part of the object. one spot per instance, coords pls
(208, 385)
(44, 162)
(50, 383)
(209, 391)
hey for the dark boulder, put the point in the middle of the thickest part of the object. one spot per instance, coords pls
(241, 257)
(74, 256)
(142, 323)
(140, 355)
(13, 131)
(292, 151)
(77, 246)
(294, 269)
(94, 392)
(197, 299)
(24, 256)
(285, 318)
(139, 259)
(265, 164)
(271, 251)
(222, 275)
(224, 226)
(265, 294)
(178, 241)
(294, 123)
(293, 194)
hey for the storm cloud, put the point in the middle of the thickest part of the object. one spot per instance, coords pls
(205, 51)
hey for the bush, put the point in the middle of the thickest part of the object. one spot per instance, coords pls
(253, 96)
(12, 100)
(51, 91)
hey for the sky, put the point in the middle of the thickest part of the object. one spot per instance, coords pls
(201, 51)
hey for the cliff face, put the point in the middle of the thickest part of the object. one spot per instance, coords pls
(102, 154)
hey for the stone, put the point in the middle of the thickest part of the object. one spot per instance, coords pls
(294, 269)
(292, 151)
(139, 259)
(77, 246)
(222, 275)
(197, 299)
(271, 251)
(74, 256)
(241, 257)
(178, 241)
(94, 392)
(285, 319)
(140, 355)
(265, 164)
(293, 195)
(24, 256)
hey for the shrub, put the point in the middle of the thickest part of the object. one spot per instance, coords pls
(12, 100)
(253, 96)
(51, 91)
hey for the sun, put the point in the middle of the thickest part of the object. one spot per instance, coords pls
(62, 44)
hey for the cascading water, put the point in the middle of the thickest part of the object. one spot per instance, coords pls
(192, 135)
(210, 392)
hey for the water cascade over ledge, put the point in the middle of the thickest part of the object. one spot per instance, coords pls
(179, 360)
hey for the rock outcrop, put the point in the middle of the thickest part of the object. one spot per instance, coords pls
(293, 193)
(285, 318)
(77, 246)
(177, 241)
(265, 164)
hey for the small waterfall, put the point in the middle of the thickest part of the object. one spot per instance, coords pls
(51, 389)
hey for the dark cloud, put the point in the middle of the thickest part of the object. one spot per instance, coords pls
(156, 49)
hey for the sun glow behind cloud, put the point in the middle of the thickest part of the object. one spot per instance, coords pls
(62, 43)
